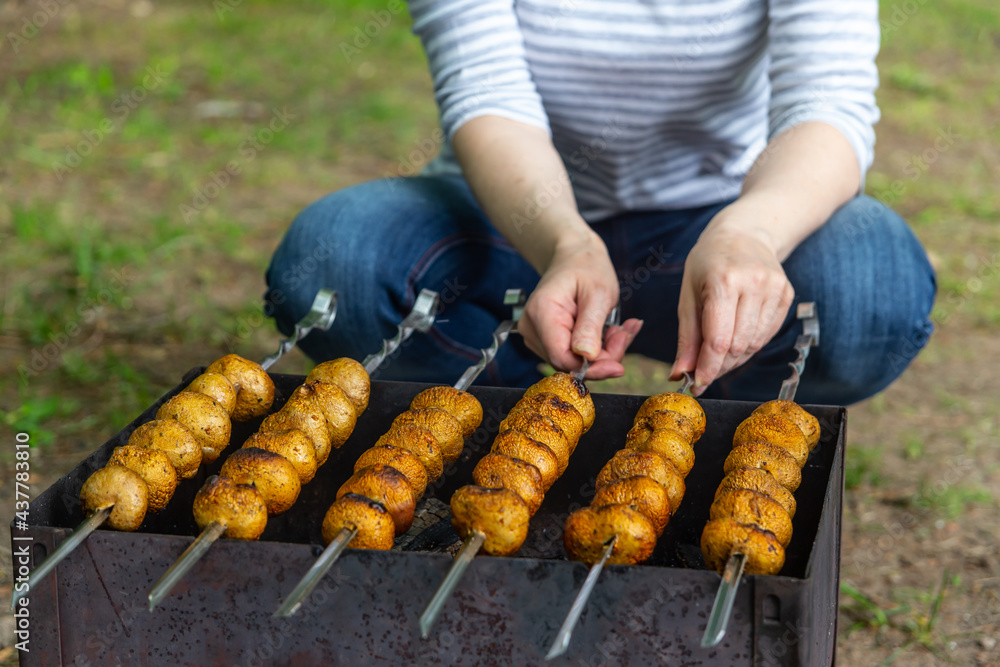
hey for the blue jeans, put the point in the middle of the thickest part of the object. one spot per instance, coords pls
(380, 243)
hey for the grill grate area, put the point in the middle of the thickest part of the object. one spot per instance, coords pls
(507, 610)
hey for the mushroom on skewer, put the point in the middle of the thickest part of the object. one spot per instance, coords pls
(433, 431)
(200, 433)
(638, 490)
(750, 521)
(319, 415)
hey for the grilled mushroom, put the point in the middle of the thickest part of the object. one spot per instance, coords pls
(206, 419)
(569, 389)
(662, 419)
(776, 430)
(541, 428)
(808, 424)
(274, 476)
(671, 446)
(376, 528)
(446, 428)
(756, 509)
(217, 387)
(766, 456)
(628, 463)
(640, 493)
(116, 485)
(306, 417)
(238, 507)
(421, 442)
(760, 481)
(499, 471)
(516, 444)
(562, 414)
(292, 444)
(461, 405)
(172, 438)
(723, 537)
(254, 388)
(682, 403)
(588, 529)
(350, 376)
(500, 514)
(388, 486)
(154, 467)
(332, 401)
(402, 460)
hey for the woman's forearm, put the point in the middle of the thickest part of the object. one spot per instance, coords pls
(795, 185)
(521, 183)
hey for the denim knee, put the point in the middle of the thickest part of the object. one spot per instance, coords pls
(874, 288)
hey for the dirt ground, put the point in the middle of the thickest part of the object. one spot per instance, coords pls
(125, 260)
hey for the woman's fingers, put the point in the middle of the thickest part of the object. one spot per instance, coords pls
(718, 322)
(594, 302)
(688, 333)
(546, 327)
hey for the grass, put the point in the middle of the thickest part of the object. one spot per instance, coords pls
(862, 467)
(915, 620)
(950, 501)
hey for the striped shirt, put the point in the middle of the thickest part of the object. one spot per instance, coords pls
(655, 104)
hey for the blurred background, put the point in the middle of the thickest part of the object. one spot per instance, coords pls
(152, 155)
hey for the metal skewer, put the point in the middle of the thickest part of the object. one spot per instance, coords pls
(458, 567)
(293, 602)
(475, 540)
(732, 575)
(320, 316)
(512, 297)
(191, 555)
(613, 319)
(561, 642)
(420, 319)
(325, 561)
(76, 538)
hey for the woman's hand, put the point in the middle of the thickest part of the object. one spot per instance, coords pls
(564, 317)
(734, 299)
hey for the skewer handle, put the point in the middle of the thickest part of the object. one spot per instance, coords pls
(686, 384)
(191, 555)
(562, 639)
(319, 569)
(469, 550)
(419, 319)
(807, 339)
(512, 297)
(320, 316)
(718, 621)
(76, 538)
